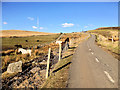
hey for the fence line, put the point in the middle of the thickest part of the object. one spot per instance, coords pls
(50, 60)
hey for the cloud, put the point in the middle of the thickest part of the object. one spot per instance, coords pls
(30, 18)
(5, 23)
(85, 26)
(89, 25)
(34, 27)
(67, 25)
(41, 27)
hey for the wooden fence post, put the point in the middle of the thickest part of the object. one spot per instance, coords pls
(107, 38)
(70, 43)
(59, 51)
(112, 39)
(59, 42)
(48, 62)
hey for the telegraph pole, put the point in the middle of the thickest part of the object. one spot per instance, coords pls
(38, 24)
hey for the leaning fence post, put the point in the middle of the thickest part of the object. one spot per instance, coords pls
(48, 61)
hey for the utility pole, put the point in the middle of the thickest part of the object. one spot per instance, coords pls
(38, 24)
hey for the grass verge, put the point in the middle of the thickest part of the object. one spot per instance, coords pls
(59, 77)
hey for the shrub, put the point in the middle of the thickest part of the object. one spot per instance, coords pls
(6, 60)
(36, 53)
(37, 40)
(25, 56)
(61, 33)
(17, 58)
(13, 58)
(26, 40)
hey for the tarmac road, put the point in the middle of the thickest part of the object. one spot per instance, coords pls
(92, 67)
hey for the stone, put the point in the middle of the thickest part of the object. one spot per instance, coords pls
(43, 62)
(15, 67)
(35, 69)
(15, 78)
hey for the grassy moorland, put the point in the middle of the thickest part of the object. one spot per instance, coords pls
(10, 42)
(21, 33)
(13, 57)
(105, 33)
(104, 39)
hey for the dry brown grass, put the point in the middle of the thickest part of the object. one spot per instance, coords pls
(21, 33)
(6, 60)
(104, 38)
(6, 75)
(35, 53)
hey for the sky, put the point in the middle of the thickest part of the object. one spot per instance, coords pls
(60, 0)
(58, 17)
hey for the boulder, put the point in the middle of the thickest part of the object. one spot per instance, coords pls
(15, 67)
(35, 69)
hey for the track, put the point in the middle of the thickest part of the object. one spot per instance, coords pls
(92, 67)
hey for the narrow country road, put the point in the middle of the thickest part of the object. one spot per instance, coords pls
(92, 67)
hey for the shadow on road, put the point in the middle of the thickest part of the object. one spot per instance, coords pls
(72, 47)
(61, 67)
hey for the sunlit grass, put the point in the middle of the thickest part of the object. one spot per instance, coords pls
(8, 43)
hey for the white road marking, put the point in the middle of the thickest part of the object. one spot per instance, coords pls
(92, 53)
(96, 59)
(89, 49)
(107, 65)
(109, 77)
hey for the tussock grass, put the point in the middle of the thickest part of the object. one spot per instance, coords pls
(110, 46)
(105, 33)
(107, 44)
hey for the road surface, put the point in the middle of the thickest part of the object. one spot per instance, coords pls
(92, 67)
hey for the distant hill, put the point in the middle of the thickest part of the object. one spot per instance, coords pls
(111, 28)
(21, 33)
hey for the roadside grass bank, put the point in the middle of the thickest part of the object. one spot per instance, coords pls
(104, 40)
(59, 78)
(110, 48)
